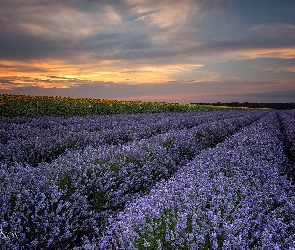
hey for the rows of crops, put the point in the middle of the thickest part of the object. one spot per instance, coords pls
(194, 180)
(23, 105)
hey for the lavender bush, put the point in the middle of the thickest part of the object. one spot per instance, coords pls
(122, 171)
(35, 140)
(121, 191)
(233, 196)
(287, 119)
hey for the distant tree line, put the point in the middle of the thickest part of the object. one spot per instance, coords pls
(283, 106)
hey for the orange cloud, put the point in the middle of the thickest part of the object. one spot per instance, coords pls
(255, 53)
(107, 71)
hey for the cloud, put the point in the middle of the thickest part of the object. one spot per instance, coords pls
(157, 13)
(280, 69)
(51, 29)
(170, 91)
(115, 71)
(132, 31)
(45, 82)
(58, 19)
(256, 53)
(168, 47)
(274, 30)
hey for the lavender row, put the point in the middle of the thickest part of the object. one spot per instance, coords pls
(61, 203)
(35, 140)
(122, 171)
(288, 120)
(233, 196)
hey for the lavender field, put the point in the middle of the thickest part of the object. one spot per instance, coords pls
(191, 180)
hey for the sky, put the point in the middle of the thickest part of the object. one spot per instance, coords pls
(149, 50)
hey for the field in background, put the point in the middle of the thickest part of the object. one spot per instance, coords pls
(25, 105)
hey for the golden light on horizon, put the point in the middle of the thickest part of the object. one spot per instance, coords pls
(104, 71)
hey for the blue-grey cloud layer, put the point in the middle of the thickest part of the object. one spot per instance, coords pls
(45, 29)
(250, 42)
